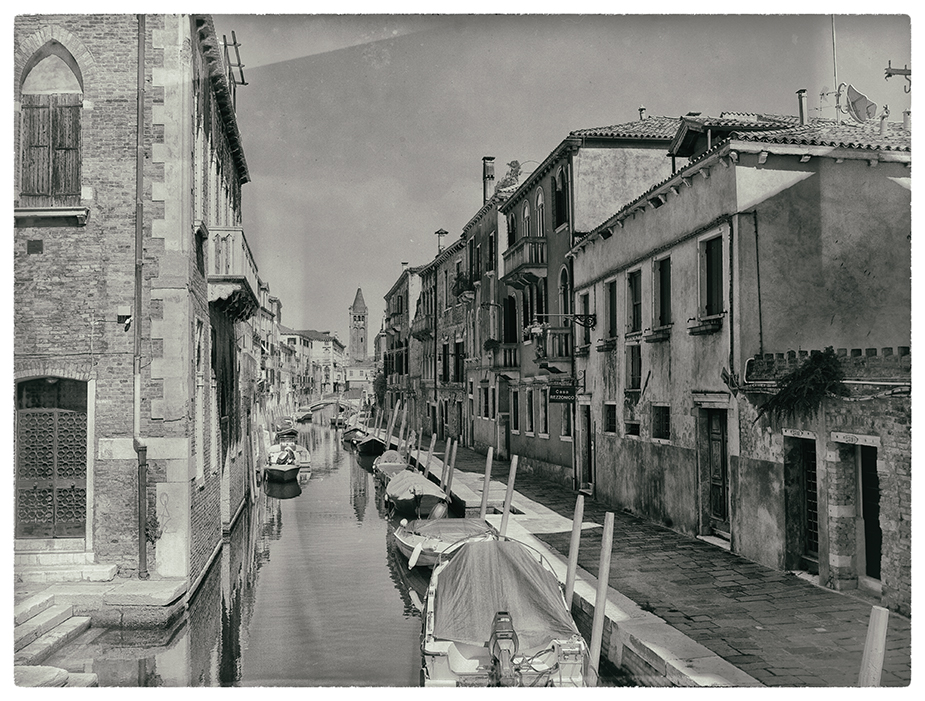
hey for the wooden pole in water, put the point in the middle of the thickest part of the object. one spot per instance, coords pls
(401, 431)
(573, 549)
(509, 495)
(874, 647)
(388, 438)
(600, 599)
(449, 480)
(448, 450)
(430, 453)
(483, 511)
(418, 446)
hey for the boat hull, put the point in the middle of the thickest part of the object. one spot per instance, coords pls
(281, 473)
(370, 446)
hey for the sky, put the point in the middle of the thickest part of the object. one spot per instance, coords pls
(364, 134)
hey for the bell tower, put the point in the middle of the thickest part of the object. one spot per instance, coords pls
(357, 341)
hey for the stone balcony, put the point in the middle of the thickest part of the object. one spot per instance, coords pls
(232, 272)
(525, 262)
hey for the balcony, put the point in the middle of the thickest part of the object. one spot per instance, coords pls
(422, 327)
(463, 288)
(554, 349)
(232, 273)
(525, 262)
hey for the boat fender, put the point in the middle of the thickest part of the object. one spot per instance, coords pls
(415, 554)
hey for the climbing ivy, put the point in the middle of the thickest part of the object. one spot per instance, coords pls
(802, 391)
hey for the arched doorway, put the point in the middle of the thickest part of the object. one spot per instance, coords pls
(51, 458)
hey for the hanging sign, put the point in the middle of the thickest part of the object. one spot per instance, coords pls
(561, 394)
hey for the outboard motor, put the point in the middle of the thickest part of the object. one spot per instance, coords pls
(503, 645)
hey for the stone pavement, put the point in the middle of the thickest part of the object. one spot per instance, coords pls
(776, 627)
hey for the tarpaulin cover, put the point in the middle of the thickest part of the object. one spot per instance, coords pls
(406, 484)
(449, 530)
(499, 575)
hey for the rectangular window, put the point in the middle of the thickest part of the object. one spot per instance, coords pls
(661, 422)
(612, 309)
(586, 310)
(663, 292)
(485, 401)
(543, 422)
(490, 256)
(713, 276)
(478, 263)
(445, 364)
(631, 428)
(610, 418)
(633, 367)
(528, 407)
(566, 420)
(459, 363)
(494, 395)
(634, 301)
(515, 410)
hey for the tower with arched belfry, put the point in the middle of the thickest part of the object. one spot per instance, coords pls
(357, 341)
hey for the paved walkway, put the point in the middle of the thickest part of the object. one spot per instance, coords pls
(778, 628)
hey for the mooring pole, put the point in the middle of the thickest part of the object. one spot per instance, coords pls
(447, 454)
(388, 438)
(573, 549)
(483, 511)
(874, 647)
(430, 453)
(600, 598)
(449, 480)
(509, 495)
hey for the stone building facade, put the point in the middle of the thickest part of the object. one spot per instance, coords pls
(127, 188)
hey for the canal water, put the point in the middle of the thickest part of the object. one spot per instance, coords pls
(309, 590)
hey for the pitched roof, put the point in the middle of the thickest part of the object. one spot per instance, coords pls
(648, 128)
(358, 302)
(843, 134)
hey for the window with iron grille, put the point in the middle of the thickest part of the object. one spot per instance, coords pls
(631, 428)
(610, 418)
(612, 309)
(661, 422)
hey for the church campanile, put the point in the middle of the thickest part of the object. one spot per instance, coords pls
(357, 342)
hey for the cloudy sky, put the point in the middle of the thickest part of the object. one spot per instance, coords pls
(364, 134)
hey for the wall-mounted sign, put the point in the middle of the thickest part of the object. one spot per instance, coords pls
(797, 433)
(855, 439)
(561, 394)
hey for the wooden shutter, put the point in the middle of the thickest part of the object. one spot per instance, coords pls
(51, 150)
(36, 151)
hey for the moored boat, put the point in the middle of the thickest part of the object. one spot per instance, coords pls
(285, 461)
(424, 541)
(371, 445)
(389, 463)
(412, 494)
(283, 490)
(503, 592)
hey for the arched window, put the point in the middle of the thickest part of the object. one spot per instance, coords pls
(526, 219)
(565, 293)
(51, 106)
(540, 213)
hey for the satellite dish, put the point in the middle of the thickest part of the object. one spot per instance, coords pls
(859, 106)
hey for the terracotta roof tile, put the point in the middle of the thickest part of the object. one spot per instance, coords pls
(844, 134)
(650, 127)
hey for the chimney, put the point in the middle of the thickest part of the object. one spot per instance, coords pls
(404, 265)
(642, 112)
(802, 95)
(907, 120)
(488, 177)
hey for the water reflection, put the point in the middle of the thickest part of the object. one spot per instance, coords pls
(306, 591)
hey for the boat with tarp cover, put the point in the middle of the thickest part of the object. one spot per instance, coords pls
(423, 541)
(503, 592)
(412, 494)
(388, 464)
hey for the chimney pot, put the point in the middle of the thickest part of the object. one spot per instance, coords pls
(488, 177)
(642, 112)
(907, 120)
(801, 94)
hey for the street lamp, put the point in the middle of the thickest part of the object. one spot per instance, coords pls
(587, 320)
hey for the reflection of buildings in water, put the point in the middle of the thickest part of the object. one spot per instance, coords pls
(411, 584)
(359, 489)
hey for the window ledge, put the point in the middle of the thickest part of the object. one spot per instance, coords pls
(705, 325)
(24, 217)
(607, 344)
(662, 441)
(565, 439)
(657, 335)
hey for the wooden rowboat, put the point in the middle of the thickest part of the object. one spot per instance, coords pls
(424, 541)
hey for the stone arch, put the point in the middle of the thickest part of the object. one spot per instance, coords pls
(54, 40)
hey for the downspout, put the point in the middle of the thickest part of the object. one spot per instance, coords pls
(733, 240)
(758, 286)
(140, 448)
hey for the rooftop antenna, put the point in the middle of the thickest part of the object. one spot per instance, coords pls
(233, 80)
(890, 72)
(440, 233)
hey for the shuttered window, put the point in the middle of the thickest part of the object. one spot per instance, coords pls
(51, 150)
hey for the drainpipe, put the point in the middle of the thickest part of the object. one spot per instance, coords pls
(140, 448)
